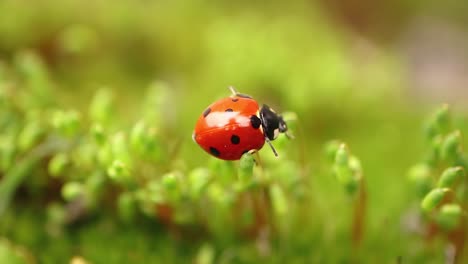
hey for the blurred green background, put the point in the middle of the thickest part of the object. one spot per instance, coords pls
(365, 72)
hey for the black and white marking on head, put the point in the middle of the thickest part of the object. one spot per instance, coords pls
(235, 139)
(255, 121)
(206, 112)
(229, 110)
(214, 151)
(272, 123)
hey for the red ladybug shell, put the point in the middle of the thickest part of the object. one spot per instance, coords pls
(230, 127)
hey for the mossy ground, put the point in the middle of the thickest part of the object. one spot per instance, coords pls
(296, 57)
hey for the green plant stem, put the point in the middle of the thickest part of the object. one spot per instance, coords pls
(18, 173)
(359, 214)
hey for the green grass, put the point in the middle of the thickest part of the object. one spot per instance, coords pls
(97, 108)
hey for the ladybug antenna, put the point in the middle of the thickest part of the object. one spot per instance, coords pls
(271, 146)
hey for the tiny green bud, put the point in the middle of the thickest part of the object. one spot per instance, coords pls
(449, 216)
(105, 155)
(57, 164)
(450, 176)
(355, 166)
(154, 192)
(118, 171)
(98, 134)
(29, 135)
(246, 165)
(451, 146)
(343, 172)
(342, 157)
(120, 148)
(352, 186)
(71, 190)
(138, 135)
(420, 177)
(331, 148)
(436, 149)
(440, 122)
(433, 199)
(102, 108)
(279, 201)
(169, 181)
(66, 122)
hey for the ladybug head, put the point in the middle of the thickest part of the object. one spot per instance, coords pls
(272, 123)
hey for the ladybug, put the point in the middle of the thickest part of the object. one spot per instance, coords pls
(232, 126)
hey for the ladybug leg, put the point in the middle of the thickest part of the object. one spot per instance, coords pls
(233, 91)
(271, 146)
(236, 93)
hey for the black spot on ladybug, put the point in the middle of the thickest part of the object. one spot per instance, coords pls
(235, 99)
(235, 139)
(255, 121)
(229, 110)
(206, 112)
(214, 151)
